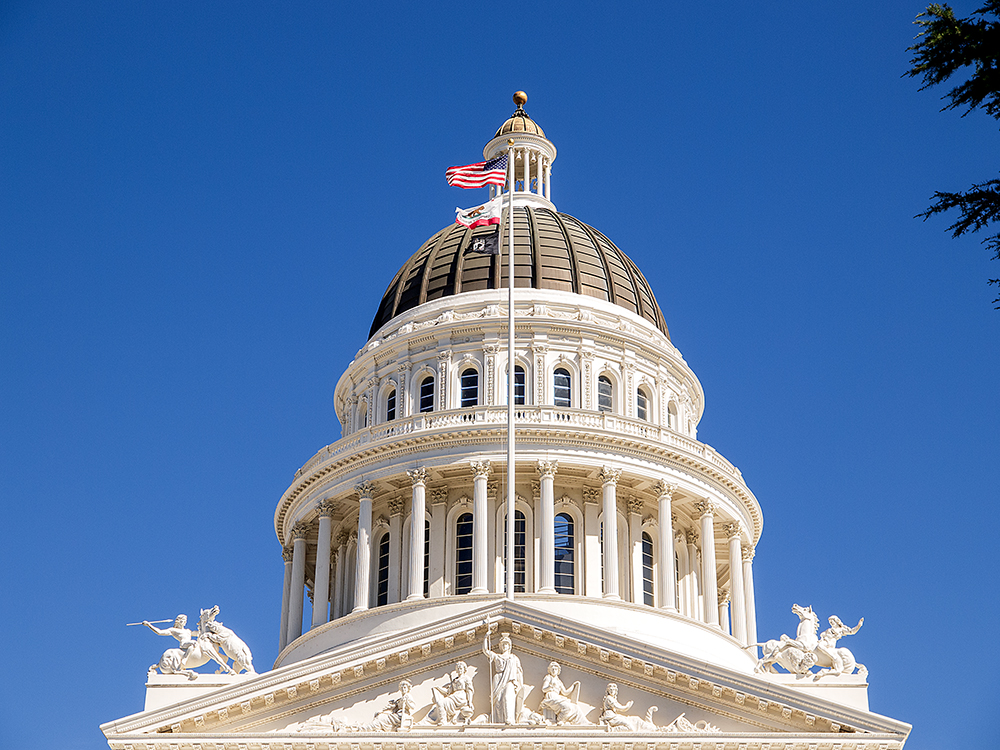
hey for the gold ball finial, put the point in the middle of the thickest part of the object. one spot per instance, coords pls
(520, 98)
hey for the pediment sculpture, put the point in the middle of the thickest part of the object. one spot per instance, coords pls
(451, 704)
(213, 641)
(809, 648)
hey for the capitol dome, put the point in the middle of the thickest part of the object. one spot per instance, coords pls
(552, 250)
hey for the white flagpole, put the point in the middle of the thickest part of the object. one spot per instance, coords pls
(510, 376)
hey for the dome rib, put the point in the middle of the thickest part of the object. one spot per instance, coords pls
(553, 251)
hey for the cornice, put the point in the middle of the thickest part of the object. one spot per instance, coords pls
(361, 453)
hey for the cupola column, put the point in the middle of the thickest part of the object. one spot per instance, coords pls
(724, 610)
(738, 612)
(395, 545)
(693, 586)
(341, 580)
(286, 555)
(547, 524)
(751, 607)
(298, 582)
(418, 504)
(609, 479)
(709, 585)
(321, 592)
(548, 180)
(526, 158)
(362, 573)
(481, 471)
(634, 505)
(667, 579)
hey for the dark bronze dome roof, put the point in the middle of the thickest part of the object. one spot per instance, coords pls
(551, 251)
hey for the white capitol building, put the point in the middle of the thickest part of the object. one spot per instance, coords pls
(633, 542)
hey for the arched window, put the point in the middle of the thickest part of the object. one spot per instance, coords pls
(390, 405)
(520, 386)
(672, 415)
(427, 394)
(647, 569)
(604, 393)
(641, 404)
(382, 577)
(470, 387)
(561, 388)
(463, 554)
(520, 550)
(363, 414)
(565, 545)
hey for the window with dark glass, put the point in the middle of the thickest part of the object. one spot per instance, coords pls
(641, 405)
(470, 387)
(561, 393)
(382, 578)
(390, 406)
(604, 393)
(564, 547)
(427, 394)
(520, 550)
(463, 554)
(427, 558)
(520, 386)
(647, 569)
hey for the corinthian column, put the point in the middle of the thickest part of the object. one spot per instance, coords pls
(395, 546)
(321, 591)
(634, 505)
(667, 583)
(363, 571)
(724, 610)
(418, 504)
(339, 592)
(710, 588)
(609, 479)
(748, 553)
(481, 471)
(298, 582)
(546, 513)
(738, 612)
(286, 555)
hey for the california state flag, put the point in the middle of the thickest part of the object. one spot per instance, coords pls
(488, 213)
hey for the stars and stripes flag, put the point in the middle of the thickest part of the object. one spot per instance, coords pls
(488, 213)
(480, 174)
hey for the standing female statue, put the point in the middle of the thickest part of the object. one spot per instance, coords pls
(508, 681)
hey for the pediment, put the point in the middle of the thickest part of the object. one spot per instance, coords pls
(331, 699)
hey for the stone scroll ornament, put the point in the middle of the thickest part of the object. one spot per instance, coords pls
(212, 642)
(806, 650)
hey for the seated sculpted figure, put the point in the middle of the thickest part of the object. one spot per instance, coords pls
(397, 716)
(614, 718)
(453, 702)
(560, 700)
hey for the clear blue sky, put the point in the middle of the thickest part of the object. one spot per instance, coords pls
(202, 203)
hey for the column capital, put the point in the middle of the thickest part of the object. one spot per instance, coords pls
(748, 553)
(342, 538)
(417, 476)
(692, 536)
(300, 530)
(547, 468)
(404, 367)
(365, 490)
(326, 507)
(732, 530)
(440, 495)
(481, 469)
(352, 538)
(634, 504)
(395, 506)
(724, 596)
(286, 554)
(705, 508)
(610, 475)
(662, 489)
(492, 488)
(591, 495)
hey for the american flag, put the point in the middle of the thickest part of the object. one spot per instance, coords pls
(492, 172)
